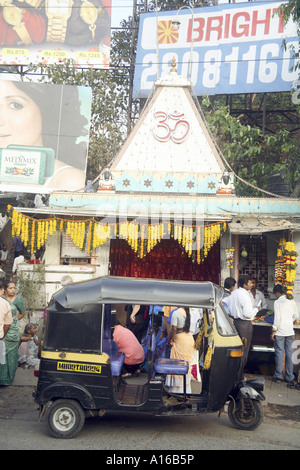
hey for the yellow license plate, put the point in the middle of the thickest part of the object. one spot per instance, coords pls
(79, 367)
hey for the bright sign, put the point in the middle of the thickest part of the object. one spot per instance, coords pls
(228, 49)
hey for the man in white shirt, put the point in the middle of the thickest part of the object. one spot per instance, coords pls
(18, 260)
(243, 312)
(257, 297)
(229, 284)
(283, 335)
(38, 201)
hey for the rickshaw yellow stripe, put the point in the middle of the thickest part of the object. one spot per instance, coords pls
(76, 357)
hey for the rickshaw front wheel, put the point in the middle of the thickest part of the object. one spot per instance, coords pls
(65, 419)
(245, 413)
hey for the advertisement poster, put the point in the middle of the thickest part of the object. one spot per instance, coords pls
(36, 31)
(223, 49)
(44, 131)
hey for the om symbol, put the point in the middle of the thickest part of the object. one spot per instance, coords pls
(177, 133)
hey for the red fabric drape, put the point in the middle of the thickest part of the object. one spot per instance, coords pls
(167, 260)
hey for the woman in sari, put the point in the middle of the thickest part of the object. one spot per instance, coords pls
(182, 347)
(10, 295)
(11, 344)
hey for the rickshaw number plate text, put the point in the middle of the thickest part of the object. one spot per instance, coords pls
(79, 367)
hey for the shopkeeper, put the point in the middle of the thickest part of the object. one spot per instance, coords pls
(257, 297)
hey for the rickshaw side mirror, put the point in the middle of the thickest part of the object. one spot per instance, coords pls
(209, 329)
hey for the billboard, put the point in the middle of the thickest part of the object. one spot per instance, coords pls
(48, 32)
(229, 49)
(44, 130)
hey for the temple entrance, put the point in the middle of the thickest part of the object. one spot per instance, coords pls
(167, 260)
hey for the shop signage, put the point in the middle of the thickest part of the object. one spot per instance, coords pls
(234, 48)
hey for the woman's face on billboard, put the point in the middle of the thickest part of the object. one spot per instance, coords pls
(20, 117)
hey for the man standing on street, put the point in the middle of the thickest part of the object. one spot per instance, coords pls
(285, 314)
(243, 312)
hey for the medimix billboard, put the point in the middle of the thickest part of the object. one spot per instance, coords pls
(43, 136)
(233, 48)
(36, 31)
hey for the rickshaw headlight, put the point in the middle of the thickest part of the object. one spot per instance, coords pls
(235, 352)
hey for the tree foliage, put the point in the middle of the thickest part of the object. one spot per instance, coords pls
(30, 288)
(167, 5)
(252, 155)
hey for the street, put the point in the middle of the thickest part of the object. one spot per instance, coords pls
(116, 432)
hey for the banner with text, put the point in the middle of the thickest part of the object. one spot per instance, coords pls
(44, 136)
(49, 32)
(224, 49)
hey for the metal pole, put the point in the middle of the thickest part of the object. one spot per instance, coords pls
(191, 8)
(131, 67)
(157, 50)
(192, 46)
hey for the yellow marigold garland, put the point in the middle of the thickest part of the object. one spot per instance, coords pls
(279, 264)
(289, 257)
(90, 234)
(208, 358)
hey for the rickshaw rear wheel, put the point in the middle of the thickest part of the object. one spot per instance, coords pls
(65, 419)
(245, 414)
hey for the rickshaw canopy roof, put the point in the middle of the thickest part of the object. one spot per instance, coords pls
(78, 296)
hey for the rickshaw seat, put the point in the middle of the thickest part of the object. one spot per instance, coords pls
(117, 358)
(168, 366)
(171, 366)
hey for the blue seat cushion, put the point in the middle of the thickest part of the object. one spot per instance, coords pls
(171, 366)
(117, 358)
(116, 361)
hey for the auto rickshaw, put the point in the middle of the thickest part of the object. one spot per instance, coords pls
(80, 367)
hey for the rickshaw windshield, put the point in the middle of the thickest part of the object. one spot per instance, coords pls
(224, 324)
(73, 331)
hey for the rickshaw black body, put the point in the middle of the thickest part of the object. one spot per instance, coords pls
(81, 363)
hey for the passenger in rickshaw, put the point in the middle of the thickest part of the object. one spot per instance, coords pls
(156, 330)
(182, 347)
(196, 319)
(131, 347)
(166, 311)
(157, 311)
(139, 320)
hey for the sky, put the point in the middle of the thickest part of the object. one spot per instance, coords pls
(121, 9)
